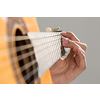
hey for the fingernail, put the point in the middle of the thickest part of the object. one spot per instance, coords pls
(64, 43)
(65, 40)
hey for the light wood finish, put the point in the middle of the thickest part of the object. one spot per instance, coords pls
(7, 75)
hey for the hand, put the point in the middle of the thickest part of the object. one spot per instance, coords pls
(65, 71)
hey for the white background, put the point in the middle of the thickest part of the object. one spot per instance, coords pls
(50, 8)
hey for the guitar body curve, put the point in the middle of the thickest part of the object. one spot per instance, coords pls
(13, 26)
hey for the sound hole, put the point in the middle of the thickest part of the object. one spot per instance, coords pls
(29, 78)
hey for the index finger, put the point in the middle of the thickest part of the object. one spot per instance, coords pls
(70, 35)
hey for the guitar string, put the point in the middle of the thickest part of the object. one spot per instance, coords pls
(54, 44)
(45, 63)
(27, 25)
(30, 64)
(36, 78)
(19, 38)
(4, 52)
(32, 53)
(34, 63)
(25, 37)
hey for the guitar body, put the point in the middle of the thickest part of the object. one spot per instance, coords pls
(14, 26)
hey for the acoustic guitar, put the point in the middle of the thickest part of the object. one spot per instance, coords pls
(26, 54)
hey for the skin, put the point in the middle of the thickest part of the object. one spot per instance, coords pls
(65, 71)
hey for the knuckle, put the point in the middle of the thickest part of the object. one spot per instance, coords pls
(85, 46)
(72, 34)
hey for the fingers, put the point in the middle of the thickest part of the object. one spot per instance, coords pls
(70, 35)
(79, 53)
(82, 45)
(71, 44)
(79, 49)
